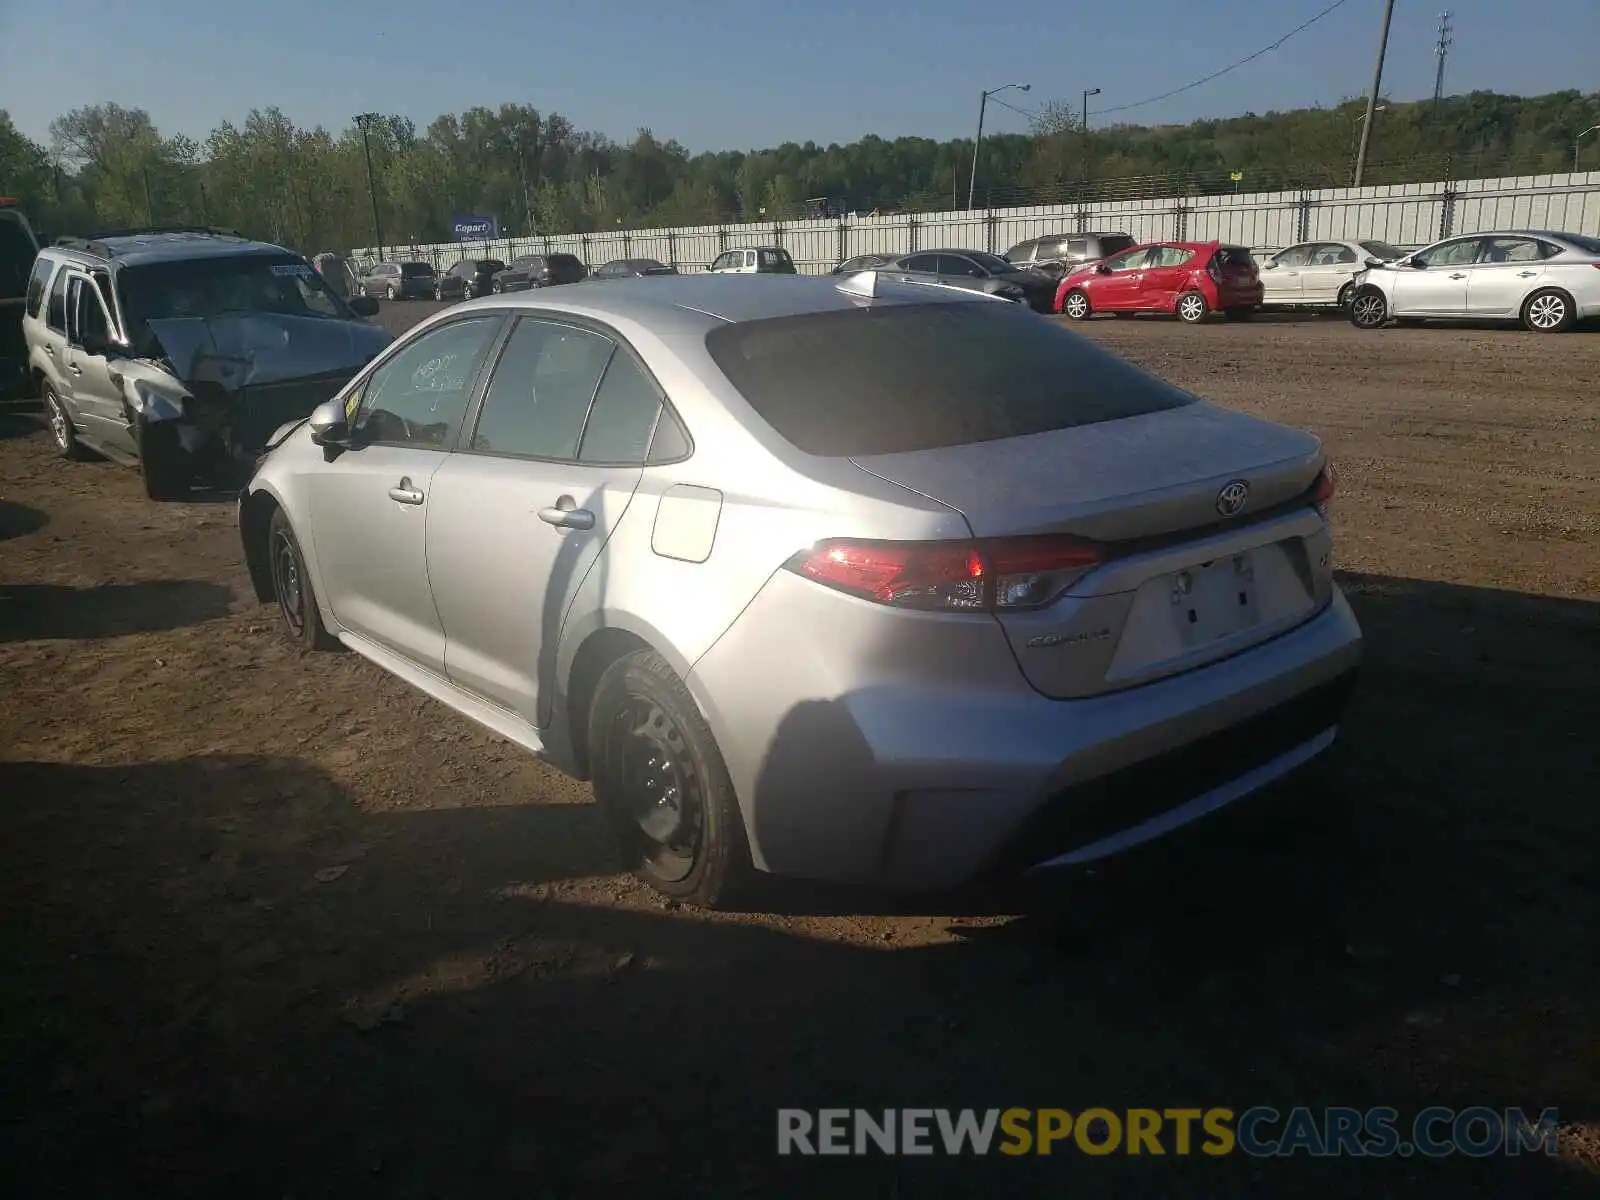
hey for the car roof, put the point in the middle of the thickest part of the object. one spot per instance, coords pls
(702, 298)
(141, 248)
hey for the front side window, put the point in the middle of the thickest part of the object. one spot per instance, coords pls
(418, 397)
(1451, 254)
(928, 263)
(86, 317)
(56, 314)
(955, 264)
(539, 396)
(1169, 256)
(1127, 260)
(1294, 256)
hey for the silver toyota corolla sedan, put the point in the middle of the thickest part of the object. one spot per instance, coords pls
(838, 578)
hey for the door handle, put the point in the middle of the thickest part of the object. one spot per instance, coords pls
(75, 368)
(1459, 275)
(50, 350)
(565, 514)
(1527, 274)
(404, 493)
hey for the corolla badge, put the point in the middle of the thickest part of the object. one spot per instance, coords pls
(1232, 497)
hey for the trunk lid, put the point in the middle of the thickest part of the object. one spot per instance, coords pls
(1190, 579)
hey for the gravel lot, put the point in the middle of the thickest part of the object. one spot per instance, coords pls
(275, 925)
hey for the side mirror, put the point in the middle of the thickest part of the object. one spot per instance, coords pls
(1417, 263)
(328, 424)
(1270, 265)
(363, 305)
(1375, 262)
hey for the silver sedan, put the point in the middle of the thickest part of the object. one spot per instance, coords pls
(1546, 281)
(839, 578)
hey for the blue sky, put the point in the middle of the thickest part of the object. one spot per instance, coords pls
(740, 74)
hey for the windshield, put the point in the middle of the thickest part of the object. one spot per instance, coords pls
(923, 376)
(214, 287)
(415, 269)
(1382, 250)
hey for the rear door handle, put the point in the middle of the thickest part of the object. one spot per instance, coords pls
(1527, 274)
(404, 493)
(1459, 275)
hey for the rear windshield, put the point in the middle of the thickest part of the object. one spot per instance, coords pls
(1234, 256)
(1588, 245)
(1114, 242)
(1382, 250)
(564, 260)
(416, 268)
(924, 376)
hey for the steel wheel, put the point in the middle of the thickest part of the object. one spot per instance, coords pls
(1547, 312)
(1369, 310)
(657, 786)
(1191, 307)
(287, 584)
(1076, 306)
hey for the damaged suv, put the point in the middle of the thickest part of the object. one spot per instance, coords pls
(182, 350)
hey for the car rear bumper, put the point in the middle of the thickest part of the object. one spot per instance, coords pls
(853, 762)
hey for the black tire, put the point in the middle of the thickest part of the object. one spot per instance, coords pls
(1239, 314)
(291, 587)
(164, 463)
(497, 288)
(61, 428)
(1344, 297)
(1549, 310)
(1192, 308)
(1077, 299)
(1369, 309)
(394, 294)
(661, 780)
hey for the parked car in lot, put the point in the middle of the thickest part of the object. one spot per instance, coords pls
(1545, 280)
(1319, 273)
(886, 583)
(861, 262)
(181, 351)
(18, 248)
(1057, 253)
(981, 272)
(753, 260)
(631, 268)
(399, 281)
(538, 270)
(468, 278)
(1190, 279)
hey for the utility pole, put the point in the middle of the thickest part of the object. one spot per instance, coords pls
(1442, 49)
(983, 101)
(1084, 130)
(1372, 98)
(149, 205)
(364, 122)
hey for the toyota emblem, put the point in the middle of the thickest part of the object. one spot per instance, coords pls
(1232, 497)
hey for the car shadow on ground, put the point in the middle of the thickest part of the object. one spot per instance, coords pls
(19, 520)
(14, 424)
(229, 976)
(33, 611)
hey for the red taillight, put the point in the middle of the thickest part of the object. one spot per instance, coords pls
(1000, 573)
(1322, 491)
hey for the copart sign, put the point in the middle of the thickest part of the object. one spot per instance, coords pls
(472, 227)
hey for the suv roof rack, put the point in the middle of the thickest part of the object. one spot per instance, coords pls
(94, 243)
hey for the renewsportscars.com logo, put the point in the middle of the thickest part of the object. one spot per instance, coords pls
(1260, 1132)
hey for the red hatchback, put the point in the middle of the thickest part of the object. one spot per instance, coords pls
(1191, 279)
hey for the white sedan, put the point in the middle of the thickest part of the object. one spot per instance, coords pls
(1316, 273)
(1544, 280)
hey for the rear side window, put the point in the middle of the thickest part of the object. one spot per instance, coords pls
(924, 376)
(36, 285)
(1234, 256)
(777, 260)
(541, 390)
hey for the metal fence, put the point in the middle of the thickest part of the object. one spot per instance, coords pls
(1406, 215)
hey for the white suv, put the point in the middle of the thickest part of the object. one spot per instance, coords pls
(753, 260)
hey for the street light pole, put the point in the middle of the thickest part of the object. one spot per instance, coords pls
(1084, 131)
(1578, 141)
(1361, 120)
(364, 122)
(983, 101)
(1372, 98)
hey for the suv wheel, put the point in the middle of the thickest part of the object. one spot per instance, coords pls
(164, 462)
(661, 780)
(61, 430)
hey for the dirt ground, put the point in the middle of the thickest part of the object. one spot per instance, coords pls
(275, 925)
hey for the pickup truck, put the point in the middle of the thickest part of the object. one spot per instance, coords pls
(18, 248)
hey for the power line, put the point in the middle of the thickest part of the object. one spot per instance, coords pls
(1032, 116)
(1230, 67)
